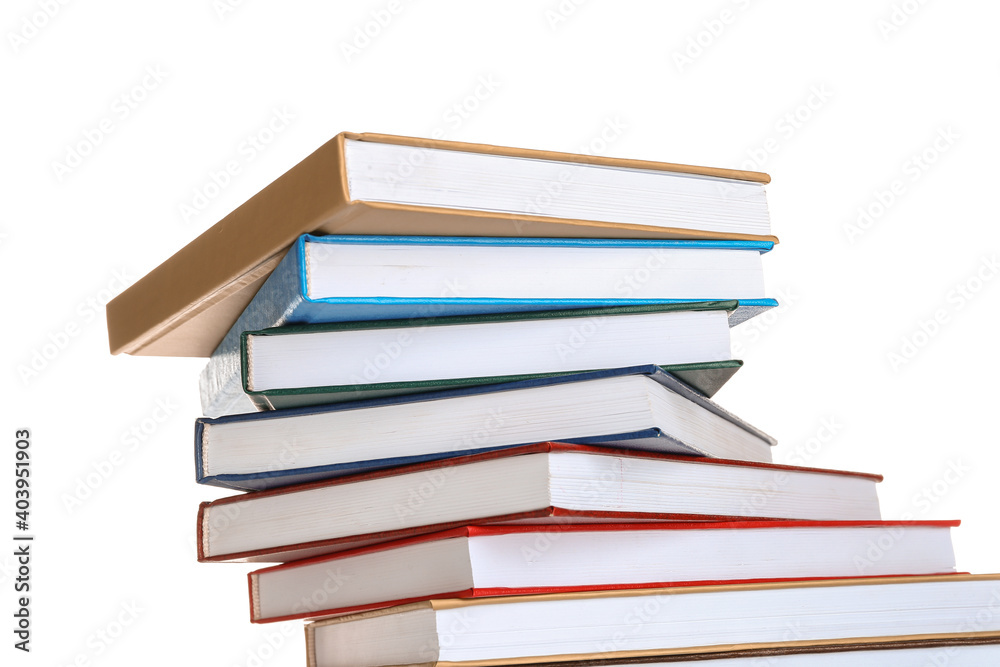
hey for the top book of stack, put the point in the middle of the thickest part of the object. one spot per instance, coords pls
(381, 184)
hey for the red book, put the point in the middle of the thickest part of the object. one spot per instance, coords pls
(487, 561)
(541, 484)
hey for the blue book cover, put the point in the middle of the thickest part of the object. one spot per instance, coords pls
(649, 439)
(284, 299)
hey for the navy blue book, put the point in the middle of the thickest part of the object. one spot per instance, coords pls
(327, 279)
(639, 407)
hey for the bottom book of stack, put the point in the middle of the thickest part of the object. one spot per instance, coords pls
(833, 621)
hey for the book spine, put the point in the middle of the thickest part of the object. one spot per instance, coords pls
(221, 382)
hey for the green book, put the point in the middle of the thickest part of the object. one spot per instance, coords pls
(314, 364)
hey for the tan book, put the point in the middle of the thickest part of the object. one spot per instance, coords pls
(950, 652)
(618, 625)
(381, 184)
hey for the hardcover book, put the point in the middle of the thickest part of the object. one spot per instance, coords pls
(639, 407)
(622, 624)
(954, 652)
(353, 185)
(488, 561)
(547, 483)
(292, 366)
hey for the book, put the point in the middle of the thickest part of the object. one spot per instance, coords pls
(623, 624)
(639, 407)
(489, 561)
(543, 484)
(705, 377)
(349, 278)
(953, 652)
(185, 306)
(292, 366)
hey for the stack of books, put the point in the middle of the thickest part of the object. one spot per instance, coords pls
(466, 392)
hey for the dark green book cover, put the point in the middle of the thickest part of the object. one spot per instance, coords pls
(705, 377)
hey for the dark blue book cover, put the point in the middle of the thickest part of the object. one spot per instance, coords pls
(648, 439)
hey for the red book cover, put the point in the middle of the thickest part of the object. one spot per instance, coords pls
(541, 515)
(550, 529)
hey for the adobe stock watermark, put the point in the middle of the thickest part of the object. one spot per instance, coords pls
(922, 503)
(633, 282)
(924, 500)
(787, 126)
(944, 656)
(646, 610)
(803, 455)
(109, 633)
(130, 440)
(985, 619)
(899, 15)
(273, 639)
(32, 24)
(562, 11)
(708, 33)
(323, 593)
(375, 24)
(223, 8)
(459, 622)
(121, 108)
(956, 299)
(87, 311)
(753, 330)
(432, 481)
(464, 107)
(580, 334)
(548, 193)
(911, 171)
(371, 368)
(247, 151)
(877, 548)
(286, 456)
(634, 621)
(453, 117)
(612, 129)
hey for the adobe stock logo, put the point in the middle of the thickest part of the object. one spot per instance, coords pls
(366, 33)
(122, 106)
(914, 168)
(33, 23)
(252, 145)
(925, 330)
(60, 338)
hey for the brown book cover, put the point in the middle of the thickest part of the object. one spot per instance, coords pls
(186, 305)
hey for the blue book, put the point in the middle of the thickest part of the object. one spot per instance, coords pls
(639, 407)
(326, 279)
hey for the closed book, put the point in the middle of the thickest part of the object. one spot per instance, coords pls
(353, 184)
(962, 651)
(648, 623)
(951, 651)
(293, 366)
(546, 483)
(489, 561)
(350, 279)
(639, 407)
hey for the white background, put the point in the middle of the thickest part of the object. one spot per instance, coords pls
(865, 96)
